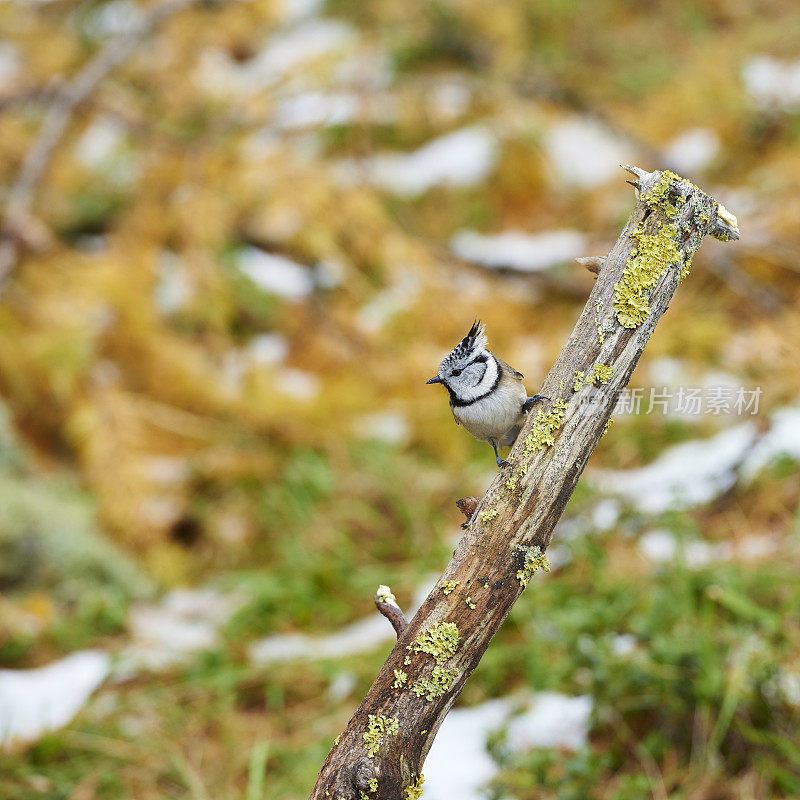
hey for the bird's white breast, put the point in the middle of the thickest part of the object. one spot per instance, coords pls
(494, 415)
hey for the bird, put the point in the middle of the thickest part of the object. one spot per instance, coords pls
(487, 396)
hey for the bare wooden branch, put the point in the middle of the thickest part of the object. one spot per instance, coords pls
(18, 213)
(504, 544)
(387, 604)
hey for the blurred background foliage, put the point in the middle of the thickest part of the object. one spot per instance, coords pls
(243, 266)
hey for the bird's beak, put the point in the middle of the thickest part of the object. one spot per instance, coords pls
(437, 379)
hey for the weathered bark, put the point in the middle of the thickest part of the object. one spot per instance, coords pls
(381, 751)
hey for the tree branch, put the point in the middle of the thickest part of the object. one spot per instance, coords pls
(18, 225)
(503, 546)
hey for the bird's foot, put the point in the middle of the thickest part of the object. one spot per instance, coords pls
(500, 461)
(532, 401)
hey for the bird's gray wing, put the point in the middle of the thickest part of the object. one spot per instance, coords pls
(508, 368)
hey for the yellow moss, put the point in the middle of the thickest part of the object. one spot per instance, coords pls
(487, 515)
(511, 484)
(448, 586)
(601, 334)
(414, 790)
(373, 784)
(685, 269)
(400, 678)
(469, 602)
(607, 426)
(600, 373)
(436, 685)
(535, 560)
(377, 728)
(658, 196)
(580, 377)
(545, 425)
(440, 641)
(654, 254)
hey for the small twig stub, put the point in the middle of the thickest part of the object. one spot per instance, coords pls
(387, 604)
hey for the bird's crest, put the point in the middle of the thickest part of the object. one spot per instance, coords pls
(471, 345)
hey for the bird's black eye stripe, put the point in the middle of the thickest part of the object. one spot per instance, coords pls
(456, 372)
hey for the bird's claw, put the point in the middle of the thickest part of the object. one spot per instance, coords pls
(532, 401)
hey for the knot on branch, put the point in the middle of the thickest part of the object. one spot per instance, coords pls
(364, 776)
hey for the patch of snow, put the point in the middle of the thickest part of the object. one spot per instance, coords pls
(294, 10)
(772, 84)
(262, 144)
(789, 687)
(35, 701)
(661, 546)
(297, 383)
(782, 438)
(559, 555)
(585, 154)
(623, 644)
(358, 637)
(459, 764)
(366, 69)
(185, 622)
(9, 64)
(666, 371)
(166, 470)
(113, 19)
(605, 514)
(275, 273)
(520, 251)
(449, 98)
(174, 289)
(553, 720)
(686, 475)
(388, 427)
(459, 159)
(313, 108)
(282, 55)
(696, 472)
(100, 142)
(330, 274)
(692, 150)
(267, 349)
(341, 687)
